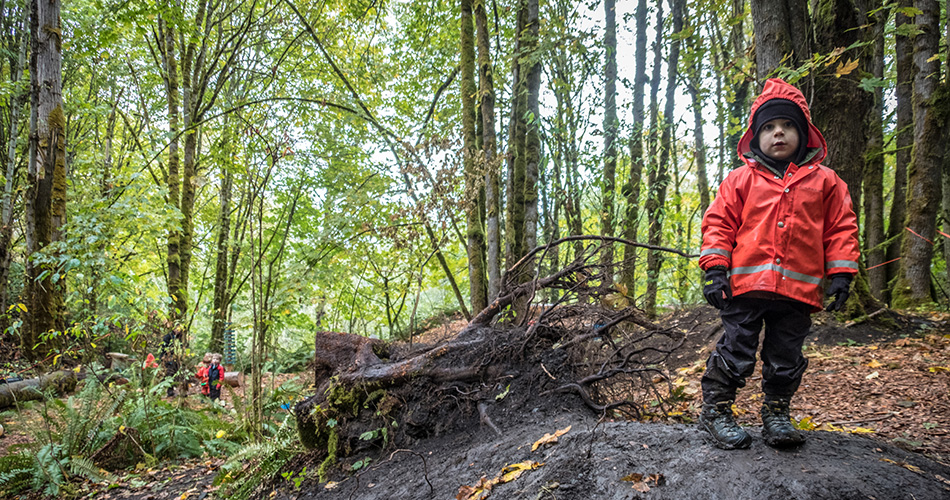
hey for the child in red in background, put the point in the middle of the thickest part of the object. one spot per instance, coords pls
(202, 374)
(215, 377)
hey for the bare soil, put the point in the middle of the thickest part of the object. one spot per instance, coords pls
(874, 437)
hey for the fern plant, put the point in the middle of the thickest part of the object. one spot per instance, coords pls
(251, 466)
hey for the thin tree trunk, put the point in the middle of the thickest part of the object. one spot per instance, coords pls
(221, 304)
(913, 287)
(652, 206)
(739, 106)
(874, 174)
(486, 93)
(517, 130)
(611, 124)
(904, 141)
(474, 179)
(17, 102)
(658, 188)
(695, 89)
(532, 149)
(632, 187)
(172, 90)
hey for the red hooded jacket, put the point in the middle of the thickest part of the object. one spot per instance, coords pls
(781, 234)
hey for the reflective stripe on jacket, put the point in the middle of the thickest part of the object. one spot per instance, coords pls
(781, 233)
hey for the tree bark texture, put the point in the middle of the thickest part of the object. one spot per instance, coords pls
(166, 35)
(653, 167)
(739, 106)
(611, 125)
(221, 303)
(517, 130)
(631, 189)
(46, 191)
(532, 134)
(913, 287)
(781, 35)
(486, 95)
(657, 198)
(474, 178)
(904, 143)
(874, 201)
(17, 102)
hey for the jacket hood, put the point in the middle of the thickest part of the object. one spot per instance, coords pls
(776, 88)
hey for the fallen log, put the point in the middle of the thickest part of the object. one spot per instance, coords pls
(33, 389)
(233, 379)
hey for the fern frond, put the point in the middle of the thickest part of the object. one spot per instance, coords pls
(83, 467)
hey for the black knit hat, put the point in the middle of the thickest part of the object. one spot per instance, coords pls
(780, 108)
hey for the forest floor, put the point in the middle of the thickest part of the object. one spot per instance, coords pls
(876, 397)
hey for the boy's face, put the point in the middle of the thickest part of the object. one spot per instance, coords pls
(778, 138)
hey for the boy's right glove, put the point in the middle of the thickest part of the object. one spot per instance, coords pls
(715, 286)
(840, 287)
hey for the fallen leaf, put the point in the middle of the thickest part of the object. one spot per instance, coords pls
(550, 438)
(483, 488)
(875, 364)
(640, 480)
(331, 485)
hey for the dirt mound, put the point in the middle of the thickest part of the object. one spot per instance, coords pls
(604, 462)
(455, 445)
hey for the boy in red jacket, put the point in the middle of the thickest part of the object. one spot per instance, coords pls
(779, 225)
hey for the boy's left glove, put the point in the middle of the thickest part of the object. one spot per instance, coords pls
(840, 287)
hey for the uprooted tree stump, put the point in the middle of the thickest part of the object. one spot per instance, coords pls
(588, 340)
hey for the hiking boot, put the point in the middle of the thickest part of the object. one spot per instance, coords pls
(718, 421)
(777, 429)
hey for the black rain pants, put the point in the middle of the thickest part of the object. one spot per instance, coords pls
(787, 323)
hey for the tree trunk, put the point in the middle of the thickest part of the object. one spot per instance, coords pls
(631, 189)
(874, 174)
(839, 24)
(486, 93)
(781, 35)
(657, 200)
(649, 300)
(46, 192)
(474, 178)
(221, 303)
(904, 143)
(172, 90)
(913, 287)
(532, 136)
(611, 125)
(16, 104)
(739, 107)
(696, 97)
(517, 129)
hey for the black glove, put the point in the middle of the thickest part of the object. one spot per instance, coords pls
(840, 287)
(715, 285)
